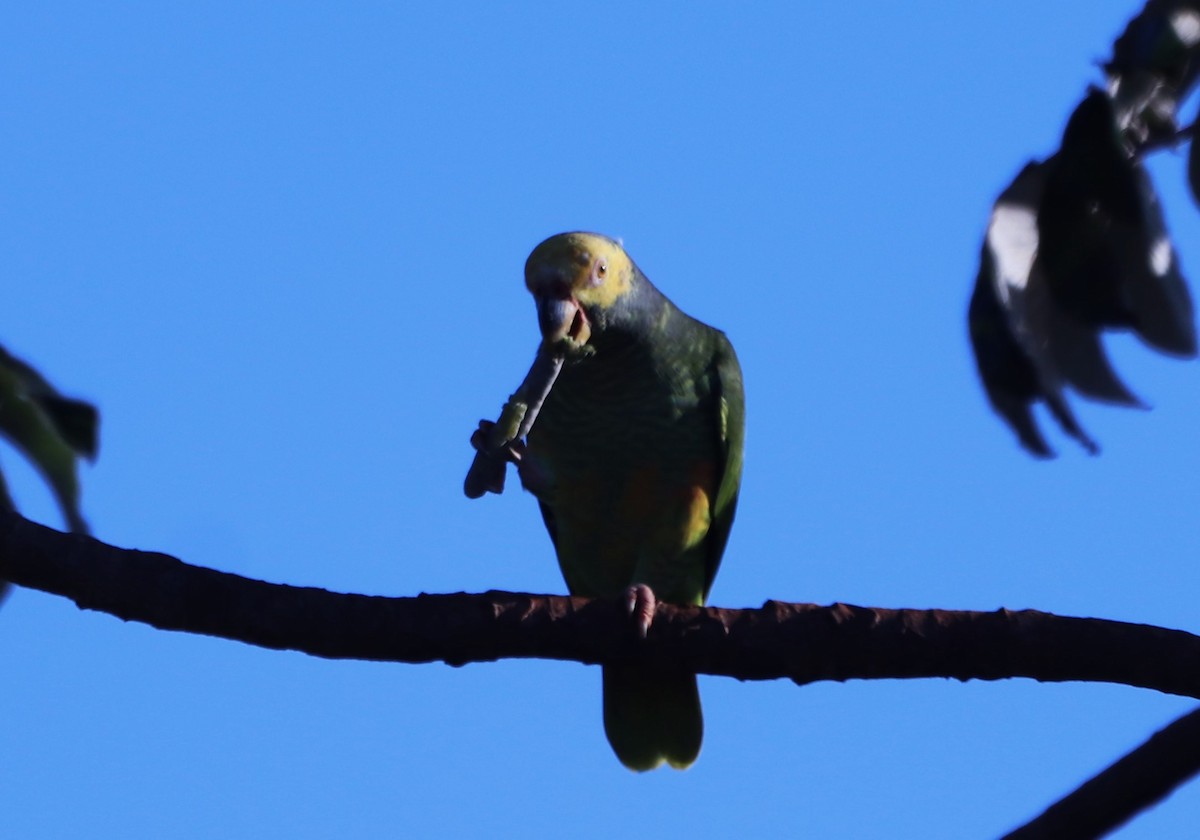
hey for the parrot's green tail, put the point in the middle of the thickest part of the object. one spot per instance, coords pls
(651, 716)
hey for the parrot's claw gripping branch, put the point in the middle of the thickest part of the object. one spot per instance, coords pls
(640, 603)
(496, 444)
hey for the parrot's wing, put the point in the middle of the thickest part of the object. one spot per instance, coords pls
(731, 427)
(551, 525)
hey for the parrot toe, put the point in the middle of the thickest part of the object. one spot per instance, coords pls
(480, 442)
(486, 474)
(640, 603)
(479, 437)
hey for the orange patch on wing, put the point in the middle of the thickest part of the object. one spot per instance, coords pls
(672, 514)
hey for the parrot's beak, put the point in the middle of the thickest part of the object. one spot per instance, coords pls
(562, 318)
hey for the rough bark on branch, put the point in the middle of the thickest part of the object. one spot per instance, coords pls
(1137, 781)
(801, 642)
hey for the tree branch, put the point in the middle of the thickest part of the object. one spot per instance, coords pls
(1137, 781)
(801, 642)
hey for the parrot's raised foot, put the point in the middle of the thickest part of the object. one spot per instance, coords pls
(640, 603)
(487, 470)
(481, 442)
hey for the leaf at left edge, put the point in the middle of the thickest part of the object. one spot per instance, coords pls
(50, 430)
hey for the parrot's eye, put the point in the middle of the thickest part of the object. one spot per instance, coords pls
(599, 269)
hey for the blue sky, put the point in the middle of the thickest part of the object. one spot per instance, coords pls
(280, 246)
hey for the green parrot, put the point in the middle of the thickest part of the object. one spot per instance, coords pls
(636, 461)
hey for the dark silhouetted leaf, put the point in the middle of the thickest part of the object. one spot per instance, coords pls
(1193, 171)
(1154, 63)
(1011, 318)
(1103, 242)
(1077, 245)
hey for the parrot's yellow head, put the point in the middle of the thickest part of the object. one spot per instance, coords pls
(576, 278)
